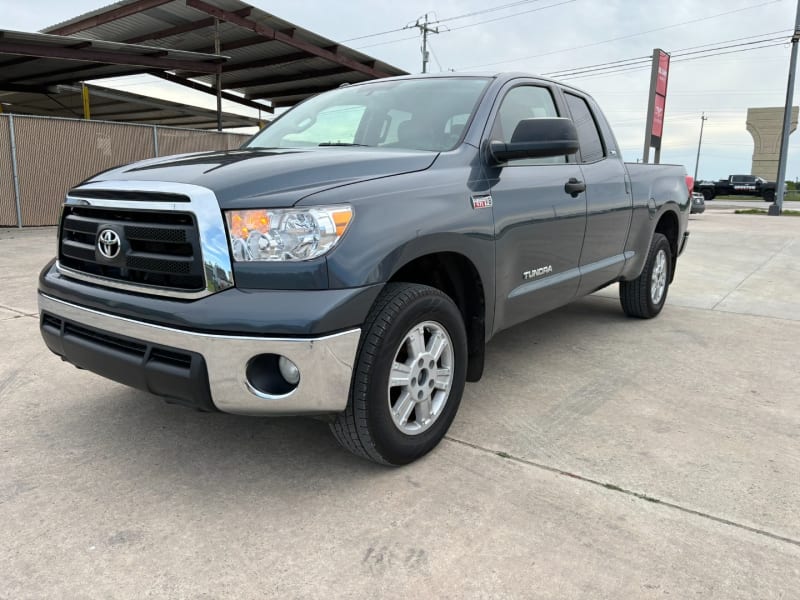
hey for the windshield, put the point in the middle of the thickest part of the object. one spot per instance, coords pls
(415, 114)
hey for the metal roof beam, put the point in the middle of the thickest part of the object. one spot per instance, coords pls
(270, 33)
(76, 73)
(186, 27)
(259, 63)
(107, 16)
(92, 55)
(26, 89)
(195, 85)
(266, 81)
(290, 93)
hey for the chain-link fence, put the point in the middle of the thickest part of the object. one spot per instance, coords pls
(41, 158)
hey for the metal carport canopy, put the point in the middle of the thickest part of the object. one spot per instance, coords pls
(268, 58)
(107, 104)
(35, 61)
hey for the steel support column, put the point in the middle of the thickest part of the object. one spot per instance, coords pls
(14, 169)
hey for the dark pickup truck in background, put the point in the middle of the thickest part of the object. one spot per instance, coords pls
(737, 185)
(354, 258)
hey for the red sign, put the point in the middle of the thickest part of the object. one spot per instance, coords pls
(658, 116)
(663, 74)
(658, 84)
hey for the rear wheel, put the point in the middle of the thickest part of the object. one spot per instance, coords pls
(409, 376)
(708, 195)
(769, 195)
(644, 297)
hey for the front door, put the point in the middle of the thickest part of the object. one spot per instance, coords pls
(539, 227)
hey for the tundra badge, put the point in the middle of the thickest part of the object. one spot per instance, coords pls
(533, 273)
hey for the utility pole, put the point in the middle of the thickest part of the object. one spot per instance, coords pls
(423, 25)
(703, 120)
(777, 208)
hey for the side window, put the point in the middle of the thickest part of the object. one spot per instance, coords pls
(525, 102)
(588, 135)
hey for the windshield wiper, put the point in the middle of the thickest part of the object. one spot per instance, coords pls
(342, 144)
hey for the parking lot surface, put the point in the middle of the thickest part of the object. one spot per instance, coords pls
(599, 457)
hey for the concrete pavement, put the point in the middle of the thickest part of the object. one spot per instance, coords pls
(600, 457)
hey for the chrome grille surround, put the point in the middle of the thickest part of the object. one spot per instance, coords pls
(202, 205)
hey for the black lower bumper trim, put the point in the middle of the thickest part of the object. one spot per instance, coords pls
(177, 375)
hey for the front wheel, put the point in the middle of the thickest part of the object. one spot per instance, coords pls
(644, 297)
(409, 376)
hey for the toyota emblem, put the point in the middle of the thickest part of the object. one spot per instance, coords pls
(109, 244)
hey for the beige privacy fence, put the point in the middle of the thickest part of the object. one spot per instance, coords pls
(43, 157)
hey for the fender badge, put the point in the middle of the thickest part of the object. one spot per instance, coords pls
(481, 202)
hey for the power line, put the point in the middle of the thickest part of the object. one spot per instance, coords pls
(413, 37)
(677, 60)
(370, 35)
(524, 12)
(784, 32)
(461, 16)
(481, 22)
(677, 56)
(625, 37)
(645, 60)
(435, 58)
(487, 10)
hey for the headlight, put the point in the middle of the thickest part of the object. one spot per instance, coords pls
(286, 234)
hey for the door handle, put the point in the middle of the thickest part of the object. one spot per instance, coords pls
(574, 187)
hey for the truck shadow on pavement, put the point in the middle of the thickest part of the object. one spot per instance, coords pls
(131, 431)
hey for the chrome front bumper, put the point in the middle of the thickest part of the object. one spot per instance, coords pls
(325, 363)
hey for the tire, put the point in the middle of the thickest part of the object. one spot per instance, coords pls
(372, 425)
(708, 195)
(644, 297)
(769, 195)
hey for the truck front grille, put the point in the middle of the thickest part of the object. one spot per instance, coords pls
(158, 249)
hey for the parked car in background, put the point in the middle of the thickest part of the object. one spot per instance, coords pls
(737, 185)
(698, 203)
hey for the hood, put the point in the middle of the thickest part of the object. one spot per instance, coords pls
(271, 178)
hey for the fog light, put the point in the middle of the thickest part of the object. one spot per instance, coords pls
(272, 376)
(289, 370)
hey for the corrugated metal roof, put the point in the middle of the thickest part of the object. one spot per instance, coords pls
(269, 58)
(114, 105)
(36, 60)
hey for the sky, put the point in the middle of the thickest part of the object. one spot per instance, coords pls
(547, 36)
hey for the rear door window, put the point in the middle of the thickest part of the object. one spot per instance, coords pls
(589, 137)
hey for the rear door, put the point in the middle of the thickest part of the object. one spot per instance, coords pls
(608, 196)
(538, 226)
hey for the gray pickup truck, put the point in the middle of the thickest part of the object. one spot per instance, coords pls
(353, 259)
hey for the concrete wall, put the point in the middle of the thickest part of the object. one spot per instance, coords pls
(765, 125)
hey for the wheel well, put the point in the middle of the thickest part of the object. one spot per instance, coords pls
(456, 276)
(668, 226)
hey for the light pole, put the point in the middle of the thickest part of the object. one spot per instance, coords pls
(780, 183)
(703, 120)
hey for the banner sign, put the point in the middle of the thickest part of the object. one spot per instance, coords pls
(657, 102)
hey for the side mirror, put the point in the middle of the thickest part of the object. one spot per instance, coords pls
(537, 138)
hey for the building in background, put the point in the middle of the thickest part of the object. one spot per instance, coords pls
(765, 125)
